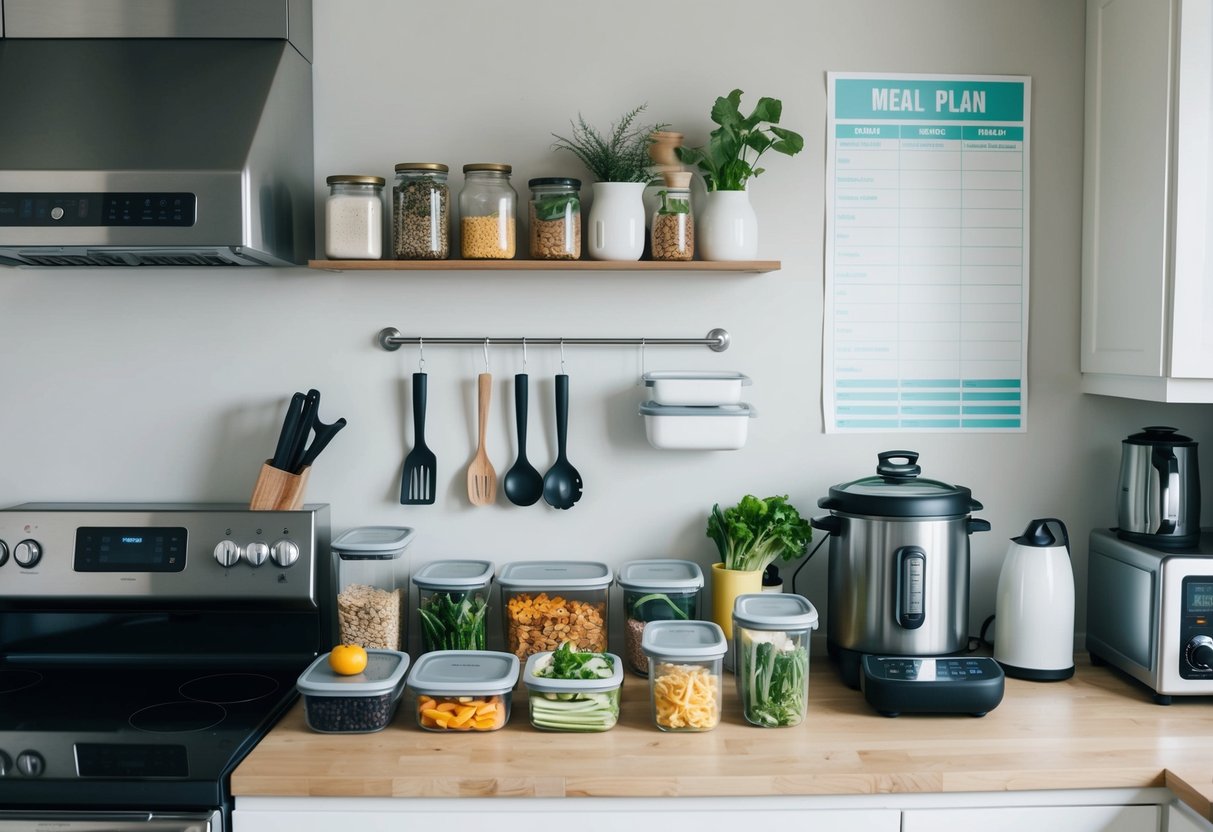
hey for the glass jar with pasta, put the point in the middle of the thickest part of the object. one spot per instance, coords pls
(686, 673)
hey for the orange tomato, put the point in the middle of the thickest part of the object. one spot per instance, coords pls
(347, 659)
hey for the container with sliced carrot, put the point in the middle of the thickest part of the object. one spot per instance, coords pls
(464, 690)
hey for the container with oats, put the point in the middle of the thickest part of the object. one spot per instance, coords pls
(662, 589)
(546, 603)
(373, 579)
(686, 670)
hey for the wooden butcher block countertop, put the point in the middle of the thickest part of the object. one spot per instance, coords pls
(1097, 730)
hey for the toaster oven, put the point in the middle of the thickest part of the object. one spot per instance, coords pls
(1150, 613)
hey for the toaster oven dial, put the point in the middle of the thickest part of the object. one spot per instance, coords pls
(227, 553)
(1200, 653)
(27, 553)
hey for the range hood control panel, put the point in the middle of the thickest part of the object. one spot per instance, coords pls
(125, 209)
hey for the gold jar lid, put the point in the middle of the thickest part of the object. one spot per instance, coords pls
(488, 166)
(354, 179)
(431, 166)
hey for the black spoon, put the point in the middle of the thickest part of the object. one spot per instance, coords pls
(523, 484)
(562, 483)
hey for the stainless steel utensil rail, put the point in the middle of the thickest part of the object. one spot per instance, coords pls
(717, 340)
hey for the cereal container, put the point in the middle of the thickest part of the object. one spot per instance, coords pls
(373, 576)
(421, 211)
(464, 690)
(656, 590)
(771, 656)
(686, 670)
(453, 603)
(555, 216)
(546, 603)
(353, 217)
(673, 225)
(357, 704)
(487, 207)
(585, 704)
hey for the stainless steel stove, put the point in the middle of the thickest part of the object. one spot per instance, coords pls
(144, 650)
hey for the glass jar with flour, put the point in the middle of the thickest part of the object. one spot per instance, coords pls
(353, 217)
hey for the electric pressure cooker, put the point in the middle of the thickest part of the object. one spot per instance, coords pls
(899, 564)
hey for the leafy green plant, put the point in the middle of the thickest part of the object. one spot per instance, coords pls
(731, 156)
(622, 155)
(549, 208)
(672, 205)
(754, 533)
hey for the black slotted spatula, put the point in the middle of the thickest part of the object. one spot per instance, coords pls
(418, 481)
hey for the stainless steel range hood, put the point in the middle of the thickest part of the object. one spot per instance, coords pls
(155, 132)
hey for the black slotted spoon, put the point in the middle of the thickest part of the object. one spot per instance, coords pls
(418, 481)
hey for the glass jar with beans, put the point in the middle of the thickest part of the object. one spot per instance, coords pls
(555, 218)
(421, 212)
(661, 589)
(487, 208)
(673, 224)
(548, 603)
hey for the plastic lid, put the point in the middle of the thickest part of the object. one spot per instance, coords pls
(741, 410)
(774, 611)
(555, 180)
(384, 672)
(373, 542)
(661, 574)
(454, 574)
(897, 490)
(683, 640)
(694, 375)
(464, 672)
(549, 574)
(1159, 435)
(549, 685)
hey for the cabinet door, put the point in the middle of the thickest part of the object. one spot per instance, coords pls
(1035, 818)
(1180, 818)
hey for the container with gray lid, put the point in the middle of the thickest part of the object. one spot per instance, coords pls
(771, 656)
(448, 682)
(357, 703)
(697, 428)
(452, 604)
(373, 576)
(546, 603)
(659, 589)
(695, 387)
(581, 705)
(686, 661)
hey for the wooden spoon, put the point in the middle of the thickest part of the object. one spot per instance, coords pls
(482, 477)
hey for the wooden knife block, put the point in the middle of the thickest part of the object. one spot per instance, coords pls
(278, 490)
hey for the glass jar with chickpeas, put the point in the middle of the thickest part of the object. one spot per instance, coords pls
(420, 212)
(487, 209)
(555, 218)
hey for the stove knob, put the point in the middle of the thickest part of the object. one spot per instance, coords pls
(227, 553)
(3, 553)
(6, 764)
(256, 553)
(1200, 653)
(285, 553)
(27, 553)
(31, 764)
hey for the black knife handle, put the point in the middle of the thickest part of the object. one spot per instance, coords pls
(307, 419)
(419, 408)
(290, 426)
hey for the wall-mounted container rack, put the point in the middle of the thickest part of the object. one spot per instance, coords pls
(717, 340)
(737, 266)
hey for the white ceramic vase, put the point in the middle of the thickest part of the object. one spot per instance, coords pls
(726, 227)
(615, 227)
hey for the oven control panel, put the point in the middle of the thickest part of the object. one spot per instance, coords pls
(162, 551)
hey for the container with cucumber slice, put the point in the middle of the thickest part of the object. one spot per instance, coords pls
(572, 690)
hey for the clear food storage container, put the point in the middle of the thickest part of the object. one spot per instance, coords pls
(356, 704)
(421, 226)
(453, 603)
(464, 690)
(487, 207)
(353, 217)
(771, 656)
(678, 428)
(695, 388)
(573, 690)
(546, 603)
(662, 589)
(686, 670)
(373, 578)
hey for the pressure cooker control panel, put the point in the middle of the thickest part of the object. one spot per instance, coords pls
(894, 685)
(1196, 628)
(165, 552)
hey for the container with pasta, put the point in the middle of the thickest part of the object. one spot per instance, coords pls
(547, 603)
(686, 670)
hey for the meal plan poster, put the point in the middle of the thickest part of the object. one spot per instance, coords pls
(926, 282)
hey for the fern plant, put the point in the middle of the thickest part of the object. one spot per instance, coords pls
(622, 155)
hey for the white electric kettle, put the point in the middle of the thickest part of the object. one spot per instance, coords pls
(1034, 609)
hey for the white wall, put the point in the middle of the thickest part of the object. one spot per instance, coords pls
(170, 384)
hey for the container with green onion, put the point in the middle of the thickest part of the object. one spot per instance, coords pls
(661, 589)
(452, 604)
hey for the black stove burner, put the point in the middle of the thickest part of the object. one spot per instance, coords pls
(229, 688)
(178, 717)
(12, 681)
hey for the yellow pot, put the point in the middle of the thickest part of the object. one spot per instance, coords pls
(727, 584)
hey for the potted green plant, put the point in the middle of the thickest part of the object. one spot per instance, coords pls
(619, 162)
(728, 225)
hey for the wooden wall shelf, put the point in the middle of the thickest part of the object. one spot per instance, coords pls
(742, 266)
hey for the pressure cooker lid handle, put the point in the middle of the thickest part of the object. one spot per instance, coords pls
(890, 470)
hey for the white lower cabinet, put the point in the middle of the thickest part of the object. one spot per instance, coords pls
(1180, 818)
(1036, 818)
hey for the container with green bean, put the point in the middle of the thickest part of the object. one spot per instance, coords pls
(452, 604)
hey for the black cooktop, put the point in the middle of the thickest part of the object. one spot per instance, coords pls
(144, 735)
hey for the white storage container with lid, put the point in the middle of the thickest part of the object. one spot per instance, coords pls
(684, 428)
(452, 603)
(660, 589)
(583, 705)
(373, 579)
(695, 387)
(771, 656)
(546, 603)
(464, 690)
(686, 670)
(355, 704)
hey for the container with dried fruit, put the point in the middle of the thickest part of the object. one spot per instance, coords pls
(487, 206)
(373, 580)
(661, 589)
(421, 211)
(546, 603)
(464, 690)
(555, 217)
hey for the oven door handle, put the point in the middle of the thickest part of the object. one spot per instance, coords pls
(101, 821)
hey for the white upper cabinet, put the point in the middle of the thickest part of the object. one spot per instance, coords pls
(1147, 270)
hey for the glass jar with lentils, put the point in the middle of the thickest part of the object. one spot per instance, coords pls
(487, 206)
(555, 218)
(420, 212)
